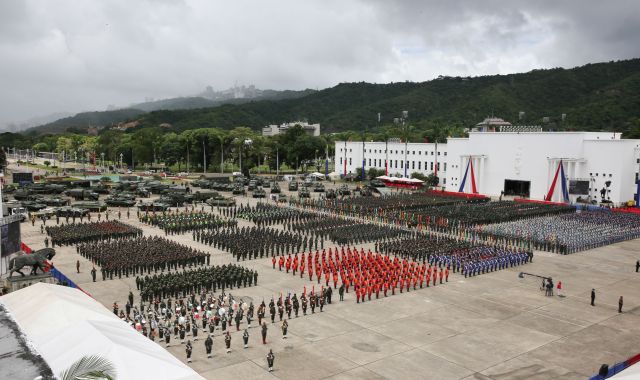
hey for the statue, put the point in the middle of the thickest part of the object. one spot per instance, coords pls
(34, 260)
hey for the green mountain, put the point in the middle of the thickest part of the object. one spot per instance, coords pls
(202, 102)
(602, 96)
(82, 121)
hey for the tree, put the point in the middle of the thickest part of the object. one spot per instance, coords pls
(3, 159)
(430, 180)
(47, 163)
(91, 367)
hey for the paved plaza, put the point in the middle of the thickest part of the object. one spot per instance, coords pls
(491, 326)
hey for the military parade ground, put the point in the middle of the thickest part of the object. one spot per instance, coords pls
(420, 286)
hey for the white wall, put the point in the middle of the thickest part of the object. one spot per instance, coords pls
(421, 157)
(525, 156)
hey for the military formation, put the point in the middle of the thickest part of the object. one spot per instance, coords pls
(173, 223)
(248, 243)
(190, 315)
(71, 234)
(140, 255)
(266, 214)
(208, 279)
(346, 232)
(569, 233)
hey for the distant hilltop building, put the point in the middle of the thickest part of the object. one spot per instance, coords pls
(273, 130)
(123, 126)
(496, 124)
(235, 92)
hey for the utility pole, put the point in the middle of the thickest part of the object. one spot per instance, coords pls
(277, 162)
(221, 156)
(187, 158)
(363, 153)
(204, 156)
(405, 116)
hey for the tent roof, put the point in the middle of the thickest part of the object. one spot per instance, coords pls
(65, 324)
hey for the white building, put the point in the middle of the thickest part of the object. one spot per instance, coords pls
(272, 130)
(523, 164)
(425, 158)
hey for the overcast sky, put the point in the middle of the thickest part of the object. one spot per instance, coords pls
(72, 56)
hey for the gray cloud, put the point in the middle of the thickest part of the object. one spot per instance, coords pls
(72, 55)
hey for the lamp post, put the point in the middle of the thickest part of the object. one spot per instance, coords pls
(121, 156)
(405, 126)
(204, 156)
(102, 157)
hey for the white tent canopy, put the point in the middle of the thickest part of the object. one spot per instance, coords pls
(316, 174)
(631, 373)
(394, 179)
(64, 324)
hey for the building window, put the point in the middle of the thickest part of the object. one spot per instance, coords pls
(413, 152)
(419, 153)
(341, 149)
(432, 153)
(401, 164)
(349, 150)
(445, 166)
(431, 166)
(596, 174)
(413, 165)
(426, 164)
(438, 153)
(445, 153)
(444, 181)
(419, 165)
(609, 175)
(340, 160)
(438, 166)
(396, 164)
(369, 162)
(349, 160)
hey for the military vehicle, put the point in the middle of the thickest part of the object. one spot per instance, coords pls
(304, 192)
(202, 196)
(252, 185)
(156, 187)
(330, 194)
(143, 192)
(318, 188)
(33, 205)
(344, 190)
(293, 186)
(202, 183)
(91, 206)
(365, 191)
(45, 212)
(222, 186)
(101, 188)
(10, 188)
(14, 208)
(21, 194)
(71, 211)
(265, 184)
(80, 194)
(120, 200)
(153, 206)
(46, 188)
(220, 201)
(377, 183)
(52, 201)
(176, 199)
(238, 190)
(127, 185)
(282, 198)
(259, 193)
(275, 188)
